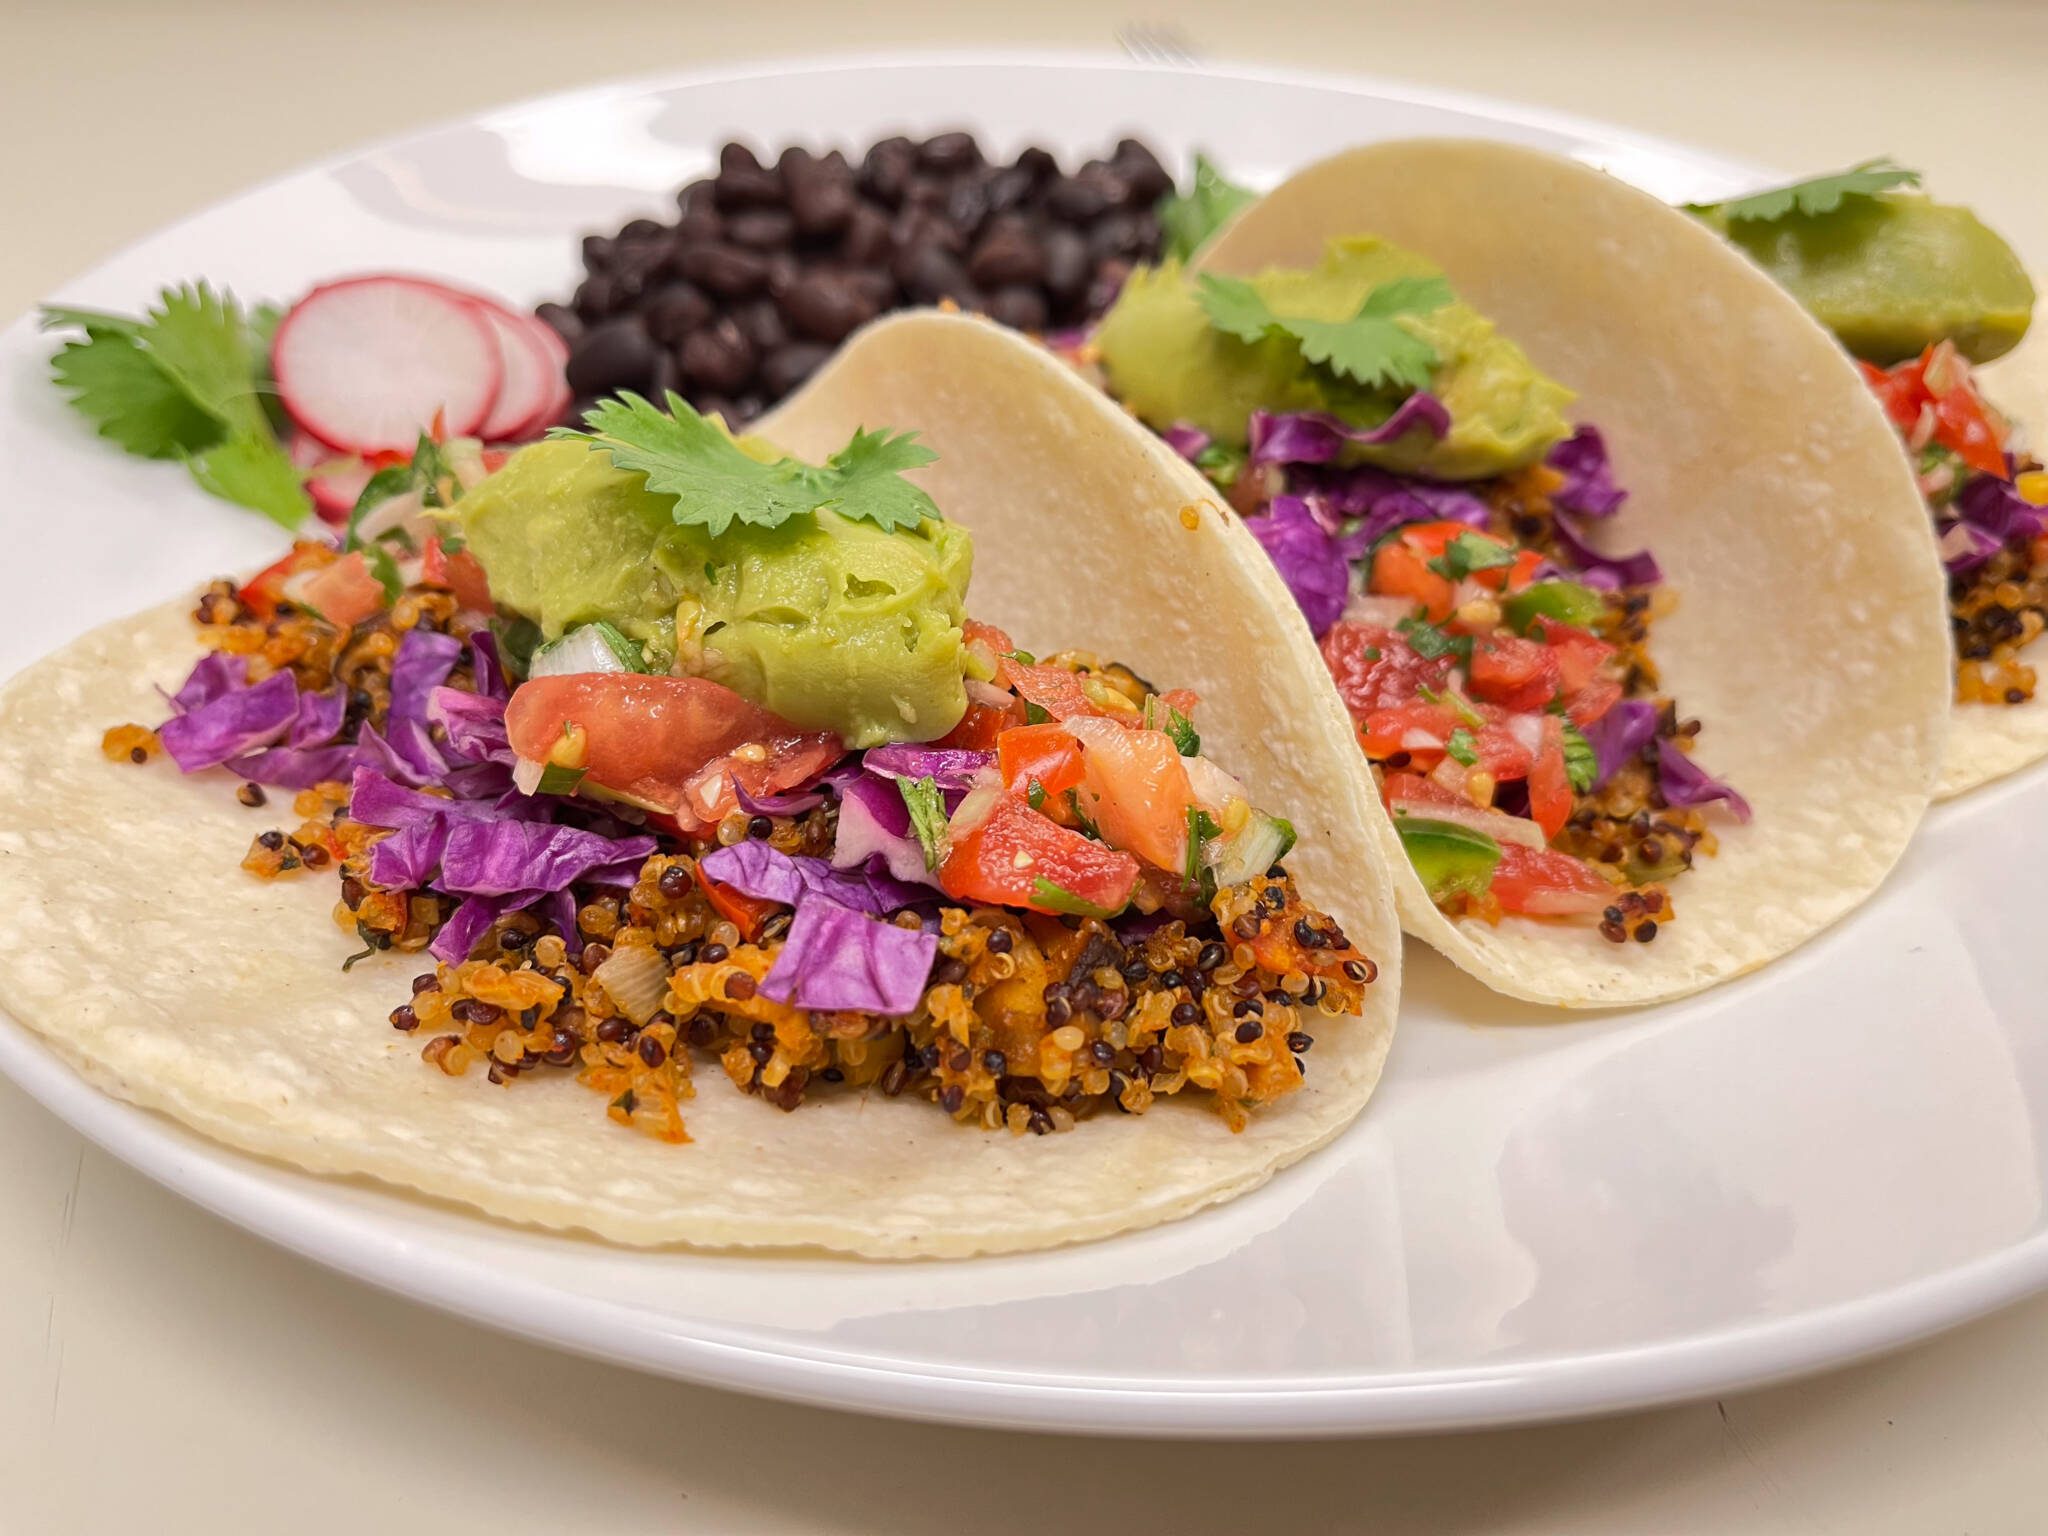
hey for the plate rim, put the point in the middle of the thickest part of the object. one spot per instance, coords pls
(261, 1197)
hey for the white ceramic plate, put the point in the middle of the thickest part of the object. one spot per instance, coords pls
(1539, 1215)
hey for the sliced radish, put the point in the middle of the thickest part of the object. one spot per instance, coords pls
(560, 397)
(531, 373)
(365, 363)
(333, 481)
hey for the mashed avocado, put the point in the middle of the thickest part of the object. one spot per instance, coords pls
(1893, 273)
(1170, 365)
(835, 625)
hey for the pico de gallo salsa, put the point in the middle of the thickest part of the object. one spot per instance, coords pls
(1988, 497)
(1038, 904)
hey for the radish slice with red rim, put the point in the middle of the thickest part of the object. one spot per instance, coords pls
(334, 481)
(530, 375)
(559, 397)
(364, 364)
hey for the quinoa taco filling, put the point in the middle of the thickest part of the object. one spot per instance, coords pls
(1418, 485)
(670, 751)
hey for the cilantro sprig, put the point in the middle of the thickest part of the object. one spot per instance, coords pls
(1187, 219)
(927, 817)
(1470, 552)
(1371, 348)
(186, 380)
(1817, 195)
(715, 483)
(1581, 766)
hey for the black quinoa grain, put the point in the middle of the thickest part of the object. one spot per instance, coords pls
(759, 827)
(1213, 954)
(250, 794)
(615, 1031)
(675, 882)
(761, 1032)
(472, 1010)
(761, 1052)
(1152, 1058)
(1298, 1041)
(1247, 1008)
(684, 953)
(1103, 1052)
(739, 987)
(1186, 1013)
(701, 1032)
(712, 954)
(1246, 927)
(1357, 970)
(894, 1079)
(1249, 1031)
(951, 1100)
(402, 1017)
(949, 972)
(994, 1063)
(273, 839)
(1000, 942)
(1647, 931)
(427, 983)
(651, 1050)
(833, 1075)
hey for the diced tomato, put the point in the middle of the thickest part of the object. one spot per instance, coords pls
(1520, 574)
(261, 592)
(1519, 675)
(461, 573)
(674, 744)
(1541, 882)
(1550, 788)
(344, 592)
(1419, 790)
(995, 639)
(1375, 668)
(746, 913)
(1004, 859)
(1593, 701)
(1418, 729)
(1136, 791)
(1940, 380)
(980, 728)
(1502, 753)
(1182, 699)
(1046, 754)
(1581, 655)
(1401, 570)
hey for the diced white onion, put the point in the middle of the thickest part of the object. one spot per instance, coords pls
(1528, 730)
(581, 650)
(635, 977)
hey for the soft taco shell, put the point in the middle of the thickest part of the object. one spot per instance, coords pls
(133, 944)
(1989, 741)
(1812, 632)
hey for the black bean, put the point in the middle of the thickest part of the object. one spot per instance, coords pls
(876, 286)
(1019, 307)
(674, 310)
(787, 367)
(761, 323)
(1066, 265)
(613, 356)
(597, 252)
(1008, 188)
(886, 170)
(866, 240)
(920, 229)
(596, 297)
(1122, 233)
(1075, 201)
(639, 229)
(718, 357)
(820, 193)
(825, 306)
(954, 151)
(1107, 283)
(929, 274)
(743, 182)
(1009, 252)
(761, 229)
(725, 269)
(560, 319)
(966, 206)
(1141, 171)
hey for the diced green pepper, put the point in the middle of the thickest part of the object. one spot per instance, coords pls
(1450, 859)
(1566, 601)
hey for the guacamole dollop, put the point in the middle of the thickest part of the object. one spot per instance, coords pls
(1892, 273)
(836, 625)
(1169, 364)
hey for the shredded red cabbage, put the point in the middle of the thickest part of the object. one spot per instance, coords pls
(756, 869)
(874, 827)
(949, 767)
(1987, 514)
(407, 859)
(1185, 440)
(499, 858)
(216, 673)
(471, 920)
(488, 667)
(838, 959)
(1316, 437)
(1589, 491)
(231, 724)
(1315, 564)
(424, 660)
(1685, 782)
(1619, 735)
(1385, 501)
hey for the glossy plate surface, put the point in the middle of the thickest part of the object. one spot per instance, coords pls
(1538, 1216)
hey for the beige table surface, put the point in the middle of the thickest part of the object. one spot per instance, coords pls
(162, 1373)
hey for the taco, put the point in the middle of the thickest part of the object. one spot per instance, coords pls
(1936, 307)
(711, 876)
(1610, 557)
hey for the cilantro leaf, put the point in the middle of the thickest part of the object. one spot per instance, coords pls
(201, 340)
(1820, 194)
(94, 322)
(715, 482)
(1186, 739)
(1429, 642)
(129, 400)
(1581, 767)
(1462, 747)
(1470, 552)
(1187, 219)
(252, 471)
(927, 817)
(1369, 348)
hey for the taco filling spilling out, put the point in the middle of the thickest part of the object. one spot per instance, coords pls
(1419, 485)
(674, 755)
